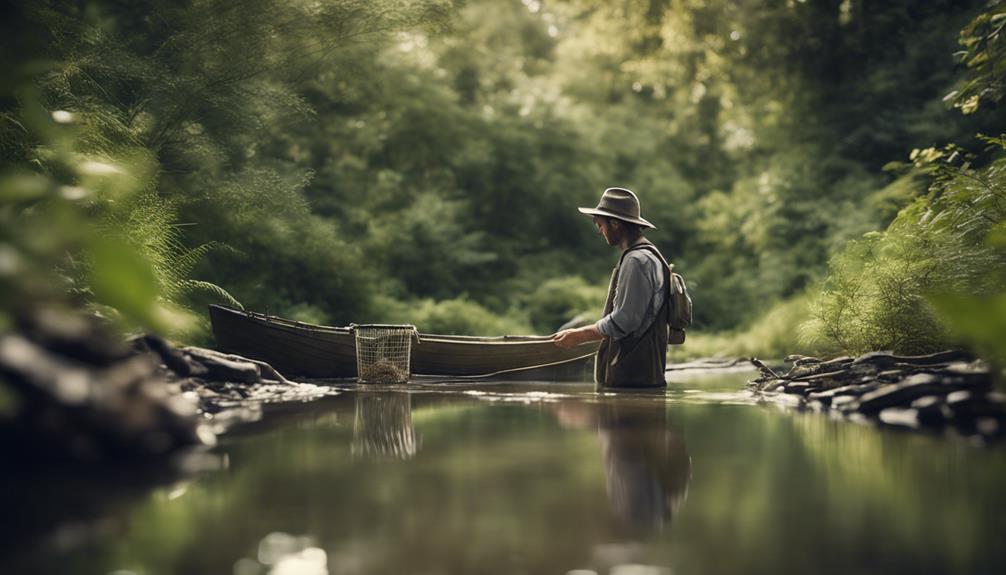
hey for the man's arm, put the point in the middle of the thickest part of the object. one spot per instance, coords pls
(633, 297)
(572, 337)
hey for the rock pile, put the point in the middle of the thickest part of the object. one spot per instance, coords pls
(68, 389)
(221, 381)
(944, 390)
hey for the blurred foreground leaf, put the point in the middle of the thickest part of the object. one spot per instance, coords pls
(20, 187)
(979, 320)
(123, 279)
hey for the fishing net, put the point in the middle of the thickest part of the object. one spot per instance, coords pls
(382, 352)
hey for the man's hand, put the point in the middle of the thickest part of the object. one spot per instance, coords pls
(568, 338)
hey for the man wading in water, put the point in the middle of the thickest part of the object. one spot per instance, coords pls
(633, 331)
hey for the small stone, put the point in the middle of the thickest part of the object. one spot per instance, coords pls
(927, 402)
(966, 367)
(987, 426)
(802, 359)
(958, 397)
(822, 397)
(822, 376)
(856, 389)
(845, 403)
(789, 400)
(900, 416)
(843, 360)
(880, 358)
(859, 418)
(774, 384)
(891, 376)
(800, 387)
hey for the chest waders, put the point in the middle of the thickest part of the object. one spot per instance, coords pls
(635, 361)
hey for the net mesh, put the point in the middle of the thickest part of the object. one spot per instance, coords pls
(382, 353)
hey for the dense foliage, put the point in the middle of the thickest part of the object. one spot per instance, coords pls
(421, 161)
(935, 277)
(876, 296)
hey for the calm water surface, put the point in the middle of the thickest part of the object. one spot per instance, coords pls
(544, 478)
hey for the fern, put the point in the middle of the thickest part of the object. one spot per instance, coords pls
(189, 286)
(148, 224)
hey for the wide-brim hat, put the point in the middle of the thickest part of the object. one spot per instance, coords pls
(618, 203)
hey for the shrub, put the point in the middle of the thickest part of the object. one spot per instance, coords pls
(558, 300)
(450, 317)
(879, 289)
(780, 331)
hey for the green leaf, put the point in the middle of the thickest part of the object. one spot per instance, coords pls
(123, 279)
(23, 187)
(979, 320)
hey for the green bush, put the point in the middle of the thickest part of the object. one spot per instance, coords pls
(558, 300)
(449, 317)
(879, 291)
(779, 332)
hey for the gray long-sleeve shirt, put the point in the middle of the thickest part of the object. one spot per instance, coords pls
(638, 296)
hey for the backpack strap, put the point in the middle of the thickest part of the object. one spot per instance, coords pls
(668, 270)
(676, 326)
(648, 246)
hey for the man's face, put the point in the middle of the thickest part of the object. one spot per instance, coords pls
(609, 229)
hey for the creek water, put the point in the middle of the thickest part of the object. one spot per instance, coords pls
(537, 478)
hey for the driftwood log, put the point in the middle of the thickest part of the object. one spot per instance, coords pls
(950, 389)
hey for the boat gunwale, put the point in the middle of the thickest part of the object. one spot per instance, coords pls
(425, 337)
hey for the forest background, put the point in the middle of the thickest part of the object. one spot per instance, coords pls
(806, 163)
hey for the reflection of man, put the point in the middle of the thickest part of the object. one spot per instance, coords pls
(633, 330)
(646, 464)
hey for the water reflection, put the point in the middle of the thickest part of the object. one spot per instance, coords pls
(382, 426)
(52, 510)
(284, 554)
(562, 481)
(646, 463)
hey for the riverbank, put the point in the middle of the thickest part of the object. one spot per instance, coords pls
(944, 392)
(71, 391)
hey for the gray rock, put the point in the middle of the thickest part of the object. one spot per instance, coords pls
(989, 426)
(122, 409)
(906, 417)
(800, 387)
(886, 359)
(927, 402)
(845, 403)
(902, 393)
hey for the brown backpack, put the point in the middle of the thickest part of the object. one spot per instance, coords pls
(679, 308)
(679, 312)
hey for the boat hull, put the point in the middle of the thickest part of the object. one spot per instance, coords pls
(307, 350)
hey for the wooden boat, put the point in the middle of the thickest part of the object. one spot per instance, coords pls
(307, 350)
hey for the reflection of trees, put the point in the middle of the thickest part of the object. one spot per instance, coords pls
(383, 427)
(646, 463)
